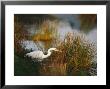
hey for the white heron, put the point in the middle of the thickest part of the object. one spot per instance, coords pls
(39, 55)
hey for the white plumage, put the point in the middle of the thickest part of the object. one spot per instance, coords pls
(39, 55)
(35, 54)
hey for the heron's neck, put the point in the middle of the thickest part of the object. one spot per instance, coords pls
(48, 54)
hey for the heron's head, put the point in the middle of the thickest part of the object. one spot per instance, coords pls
(54, 49)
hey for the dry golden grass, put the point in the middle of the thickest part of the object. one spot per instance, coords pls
(47, 31)
(76, 57)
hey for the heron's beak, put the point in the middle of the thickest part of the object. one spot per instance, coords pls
(58, 50)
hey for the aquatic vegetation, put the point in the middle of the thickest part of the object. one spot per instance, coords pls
(46, 33)
(75, 59)
(19, 35)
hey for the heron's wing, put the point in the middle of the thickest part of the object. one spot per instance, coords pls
(36, 54)
(39, 54)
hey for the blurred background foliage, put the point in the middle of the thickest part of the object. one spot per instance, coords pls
(87, 22)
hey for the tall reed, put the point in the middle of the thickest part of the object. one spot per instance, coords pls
(75, 59)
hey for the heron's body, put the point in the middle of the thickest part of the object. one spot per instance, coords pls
(35, 54)
(39, 54)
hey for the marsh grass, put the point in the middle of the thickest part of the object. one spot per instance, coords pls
(19, 35)
(47, 33)
(75, 58)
